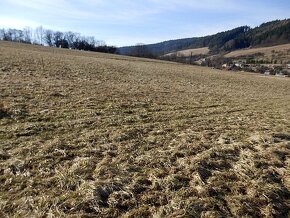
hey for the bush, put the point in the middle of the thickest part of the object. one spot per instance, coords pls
(3, 111)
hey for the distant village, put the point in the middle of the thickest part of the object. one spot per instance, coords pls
(279, 68)
(266, 69)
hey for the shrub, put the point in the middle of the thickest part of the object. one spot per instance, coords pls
(3, 111)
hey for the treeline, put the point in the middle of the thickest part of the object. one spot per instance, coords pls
(141, 50)
(224, 40)
(267, 34)
(70, 40)
(271, 33)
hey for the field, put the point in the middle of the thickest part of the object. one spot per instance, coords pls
(188, 52)
(96, 135)
(279, 52)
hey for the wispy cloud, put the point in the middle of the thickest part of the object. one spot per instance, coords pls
(58, 8)
(148, 21)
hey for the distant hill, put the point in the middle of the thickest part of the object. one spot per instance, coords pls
(266, 51)
(267, 34)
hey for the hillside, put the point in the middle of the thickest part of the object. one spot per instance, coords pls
(267, 51)
(267, 34)
(281, 53)
(189, 52)
(86, 134)
(189, 43)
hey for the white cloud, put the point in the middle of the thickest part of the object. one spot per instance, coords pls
(6, 22)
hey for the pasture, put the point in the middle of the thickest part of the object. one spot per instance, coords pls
(87, 134)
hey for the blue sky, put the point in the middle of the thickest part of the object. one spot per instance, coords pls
(127, 22)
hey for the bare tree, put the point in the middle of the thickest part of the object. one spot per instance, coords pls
(48, 37)
(10, 34)
(19, 37)
(141, 50)
(100, 43)
(27, 34)
(57, 38)
(51, 38)
(91, 41)
(2, 34)
(76, 42)
(38, 35)
(71, 37)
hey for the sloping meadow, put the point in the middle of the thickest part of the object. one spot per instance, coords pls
(93, 135)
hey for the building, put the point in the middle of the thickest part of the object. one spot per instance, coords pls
(280, 74)
(239, 65)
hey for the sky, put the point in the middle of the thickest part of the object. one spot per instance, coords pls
(128, 22)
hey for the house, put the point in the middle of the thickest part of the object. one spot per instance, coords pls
(239, 65)
(224, 66)
(280, 74)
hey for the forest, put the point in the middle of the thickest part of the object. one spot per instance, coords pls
(267, 34)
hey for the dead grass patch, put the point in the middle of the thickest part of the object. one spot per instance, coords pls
(94, 135)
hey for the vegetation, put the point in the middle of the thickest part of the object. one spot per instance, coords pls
(101, 135)
(41, 36)
(3, 111)
(191, 52)
(279, 54)
(271, 33)
(141, 50)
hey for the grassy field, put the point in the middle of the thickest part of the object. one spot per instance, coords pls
(95, 135)
(188, 52)
(279, 52)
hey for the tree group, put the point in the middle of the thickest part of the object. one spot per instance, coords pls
(41, 36)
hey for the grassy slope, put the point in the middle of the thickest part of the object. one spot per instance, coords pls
(194, 51)
(267, 51)
(90, 134)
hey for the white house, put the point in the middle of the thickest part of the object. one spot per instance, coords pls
(238, 64)
(280, 74)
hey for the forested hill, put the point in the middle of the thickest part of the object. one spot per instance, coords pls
(267, 34)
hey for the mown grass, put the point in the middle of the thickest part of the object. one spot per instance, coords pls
(87, 134)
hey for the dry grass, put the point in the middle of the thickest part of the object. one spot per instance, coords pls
(188, 52)
(273, 52)
(95, 135)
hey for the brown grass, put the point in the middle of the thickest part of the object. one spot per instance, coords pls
(96, 135)
(194, 51)
(275, 52)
